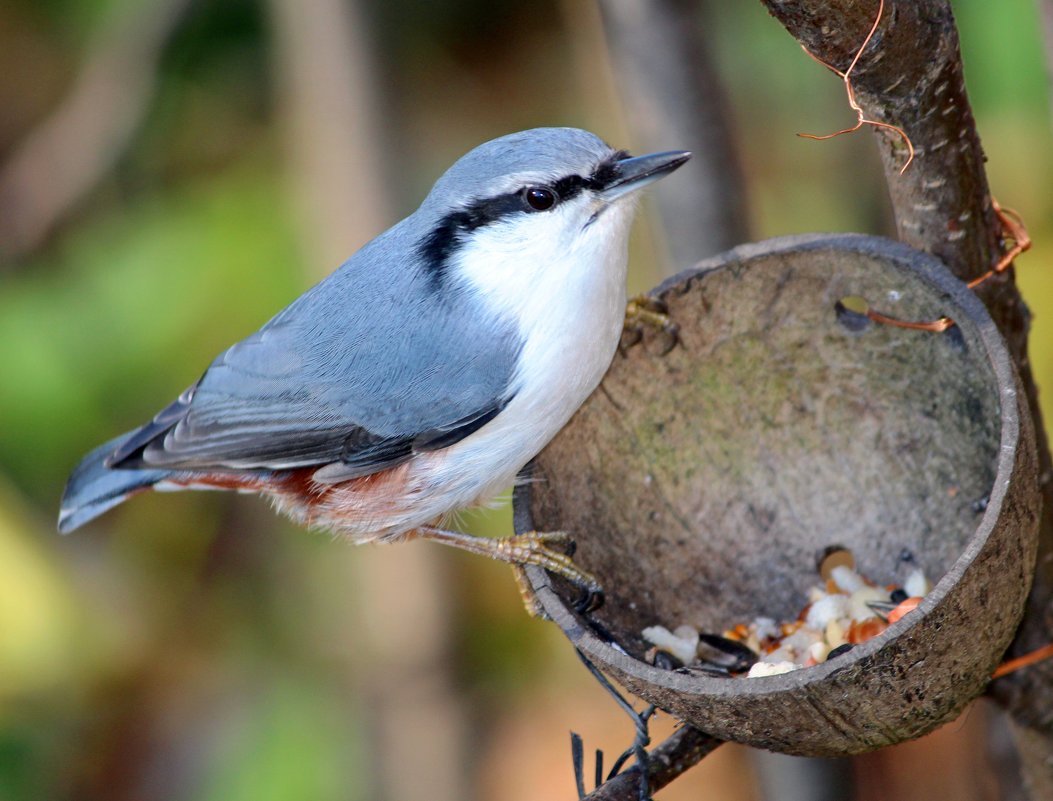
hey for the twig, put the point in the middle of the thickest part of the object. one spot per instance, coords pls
(683, 749)
(652, 771)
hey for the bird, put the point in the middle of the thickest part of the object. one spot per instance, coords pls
(424, 373)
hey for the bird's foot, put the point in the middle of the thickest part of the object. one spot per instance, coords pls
(526, 593)
(644, 311)
(531, 548)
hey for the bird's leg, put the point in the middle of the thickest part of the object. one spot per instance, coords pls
(520, 550)
(644, 311)
(527, 595)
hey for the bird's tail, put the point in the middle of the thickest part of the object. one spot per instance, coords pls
(93, 488)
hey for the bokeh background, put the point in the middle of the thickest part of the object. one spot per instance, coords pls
(173, 172)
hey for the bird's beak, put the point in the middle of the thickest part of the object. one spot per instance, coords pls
(635, 173)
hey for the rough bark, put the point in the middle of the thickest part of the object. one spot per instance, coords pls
(911, 75)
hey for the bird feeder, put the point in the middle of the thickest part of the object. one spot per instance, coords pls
(703, 484)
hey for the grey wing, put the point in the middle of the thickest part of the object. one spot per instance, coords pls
(316, 387)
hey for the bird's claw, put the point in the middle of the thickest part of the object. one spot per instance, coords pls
(535, 548)
(549, 550)
(590, 599)
(642, 312)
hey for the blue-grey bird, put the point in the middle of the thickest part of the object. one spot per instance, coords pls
(424, 373)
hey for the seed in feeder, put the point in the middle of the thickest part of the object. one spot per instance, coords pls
(686, 632)
(818, 652)
(844, 648)
(916, 585)
(722, 652)
(847, 610)
(908, 605)
(846, 579)
(835, 557)
(861, 631)
(683, 643)
(802, 639)
(881, 608)
(794, 648)
(817, 593)
(740, 631)
(827, 608)
(662, 659)
(834, 635)
(765, 628)
(771, 669)
(857, 604)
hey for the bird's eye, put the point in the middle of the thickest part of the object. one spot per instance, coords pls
(539, 198)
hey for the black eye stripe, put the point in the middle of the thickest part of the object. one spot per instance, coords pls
(436, 248)
(604, 174)
(570, 186)
(607, 171)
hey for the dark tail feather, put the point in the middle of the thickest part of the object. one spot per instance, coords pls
(93, 488)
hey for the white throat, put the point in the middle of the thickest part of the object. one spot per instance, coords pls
(564, 287)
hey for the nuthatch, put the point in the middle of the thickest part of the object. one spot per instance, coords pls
(423, 374)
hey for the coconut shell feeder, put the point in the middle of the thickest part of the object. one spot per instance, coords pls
(703, 484)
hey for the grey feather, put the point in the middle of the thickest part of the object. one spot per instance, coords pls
(92, 488)
(368, 355)
(374, 362)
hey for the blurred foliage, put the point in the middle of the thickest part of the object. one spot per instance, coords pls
(193, 646)
(157, 285)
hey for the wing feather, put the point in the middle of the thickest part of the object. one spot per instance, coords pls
(358, 371)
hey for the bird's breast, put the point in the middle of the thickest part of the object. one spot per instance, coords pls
(570, 319)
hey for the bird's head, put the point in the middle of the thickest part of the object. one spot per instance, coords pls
(534, 201)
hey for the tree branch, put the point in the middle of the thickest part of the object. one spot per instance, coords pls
(683, 749)
(911, 75)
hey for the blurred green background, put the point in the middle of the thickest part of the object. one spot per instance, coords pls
(195, 646)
